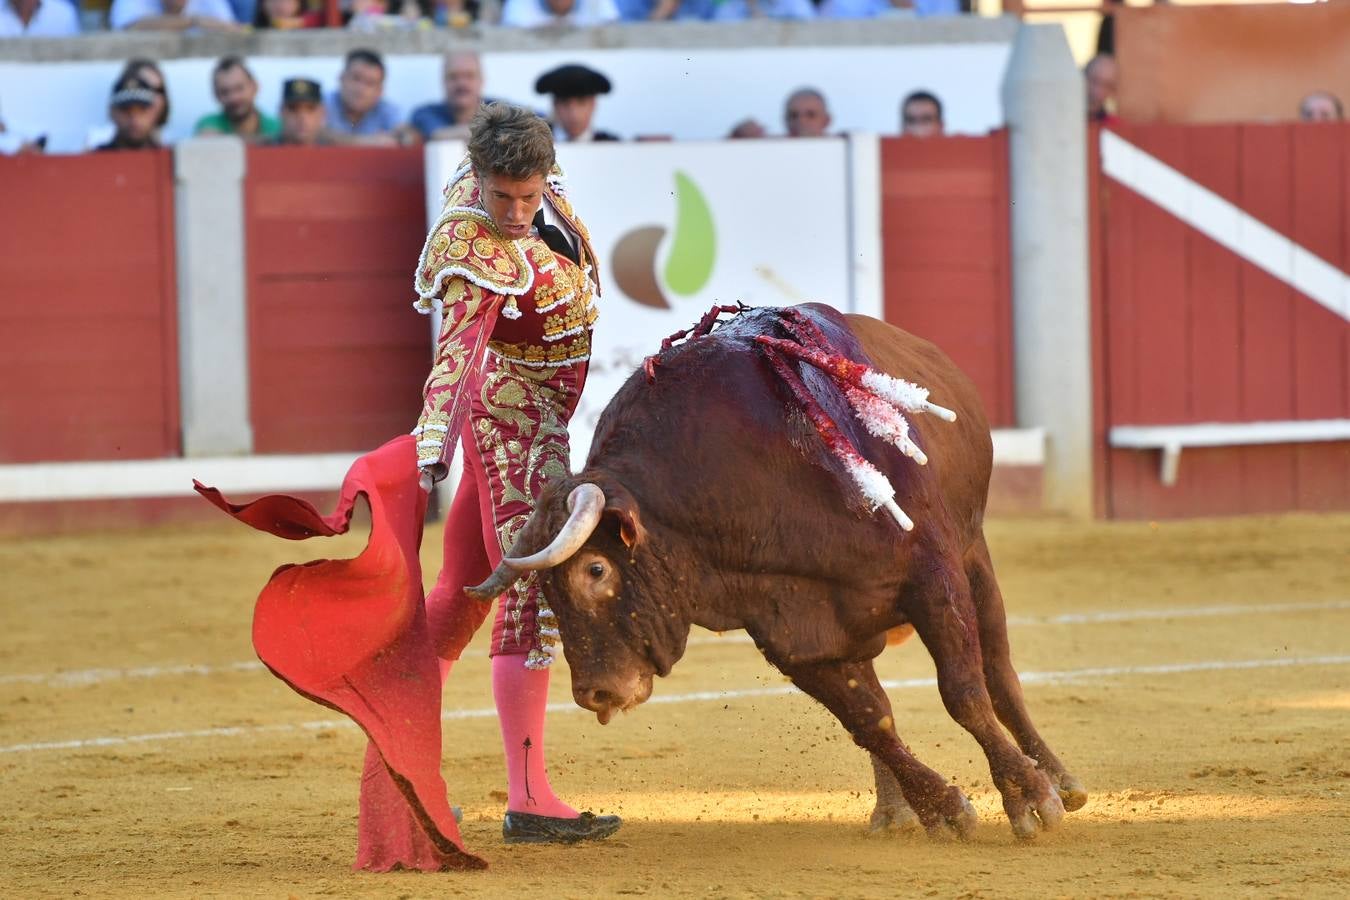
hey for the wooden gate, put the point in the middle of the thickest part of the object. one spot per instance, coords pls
(1222, 318)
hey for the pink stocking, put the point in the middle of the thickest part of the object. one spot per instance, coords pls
(522, 697)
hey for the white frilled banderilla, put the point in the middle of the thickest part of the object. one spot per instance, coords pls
(878, 400)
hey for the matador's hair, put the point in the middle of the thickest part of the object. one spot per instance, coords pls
(510, 140)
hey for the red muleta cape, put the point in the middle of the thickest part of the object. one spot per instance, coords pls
(351, 634)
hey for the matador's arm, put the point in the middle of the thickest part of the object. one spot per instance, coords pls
(469, 313)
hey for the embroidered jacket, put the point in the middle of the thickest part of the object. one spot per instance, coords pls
(513, 298)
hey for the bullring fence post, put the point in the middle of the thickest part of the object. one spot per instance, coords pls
(1045, 107)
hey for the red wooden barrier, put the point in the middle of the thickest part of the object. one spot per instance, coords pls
(944, 220)
(1192, 332)
(337, 354)
(88, 308)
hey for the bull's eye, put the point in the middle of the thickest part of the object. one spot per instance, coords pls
(597, 570)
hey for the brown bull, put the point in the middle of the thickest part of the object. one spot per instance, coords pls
(708, 499)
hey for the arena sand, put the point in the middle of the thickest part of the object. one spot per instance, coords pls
(1223, 781)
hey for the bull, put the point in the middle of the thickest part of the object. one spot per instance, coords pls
(707, 500)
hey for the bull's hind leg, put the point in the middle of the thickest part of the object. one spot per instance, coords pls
(851, 691)
(944, 616)
(1005, 688)
(892, 812)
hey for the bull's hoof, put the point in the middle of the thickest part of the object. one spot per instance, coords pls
(1071, 791)
(958, 820)
(1045, 814)
(893, 817)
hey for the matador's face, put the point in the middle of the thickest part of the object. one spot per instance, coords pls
(511, 202)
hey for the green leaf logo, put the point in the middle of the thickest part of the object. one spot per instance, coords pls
(695, 247)
(693, 251)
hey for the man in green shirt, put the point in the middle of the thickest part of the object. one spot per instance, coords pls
(236, 90)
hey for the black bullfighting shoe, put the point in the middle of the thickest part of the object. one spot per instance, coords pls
(525, 828)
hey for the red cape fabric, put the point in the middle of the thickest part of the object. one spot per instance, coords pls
(351, 634)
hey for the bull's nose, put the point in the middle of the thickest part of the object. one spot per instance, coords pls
(595, 699)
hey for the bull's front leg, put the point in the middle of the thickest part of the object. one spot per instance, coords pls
(944, 616)
(851, 691)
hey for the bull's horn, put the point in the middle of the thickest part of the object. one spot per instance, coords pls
(585, 504)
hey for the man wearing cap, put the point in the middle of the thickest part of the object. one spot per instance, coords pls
(237, 91)
(133, 113)
(574, 89)
(302, 115)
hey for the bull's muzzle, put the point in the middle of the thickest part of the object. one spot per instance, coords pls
(605, 702)
(584, 506)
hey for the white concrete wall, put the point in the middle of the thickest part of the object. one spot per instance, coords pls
(212, 308)
(1043, 98)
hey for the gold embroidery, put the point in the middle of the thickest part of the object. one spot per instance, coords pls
(476, 252)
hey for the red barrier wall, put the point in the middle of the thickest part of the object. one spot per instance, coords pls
(944, 223)
(1191, 332)
(337, 354)
(88, 308)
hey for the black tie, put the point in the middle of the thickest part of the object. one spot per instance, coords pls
(554, 237)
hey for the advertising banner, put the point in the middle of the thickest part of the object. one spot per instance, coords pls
(680, 228)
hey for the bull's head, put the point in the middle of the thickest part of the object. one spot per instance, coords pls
(619, 619)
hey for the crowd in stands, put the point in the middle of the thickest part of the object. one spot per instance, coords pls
(61, 18)
(358, 113)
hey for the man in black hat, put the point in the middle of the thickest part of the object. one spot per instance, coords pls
(574, 89)
(303, 117)
(132, 111)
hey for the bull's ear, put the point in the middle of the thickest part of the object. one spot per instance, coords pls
(622, 510)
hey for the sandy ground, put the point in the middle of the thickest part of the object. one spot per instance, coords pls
(144, 753)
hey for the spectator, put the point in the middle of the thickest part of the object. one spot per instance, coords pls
(1321, 106)
(132, 109)
(302, 115)
(285, 15)
(369, 16)
(646, 10)
(236, 91)
(38, 18)
(747, 128)
(462, 77)
(149, 74)
(456, 13)
(921, 115)
(172, 15)
(1101, 74)
(558, 13)
(806, 114)
(357, 110)
(574, 89)
(727, 10)
(869, 9)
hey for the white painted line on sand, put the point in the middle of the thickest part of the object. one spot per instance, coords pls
(1066, 676)
(81, 677)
